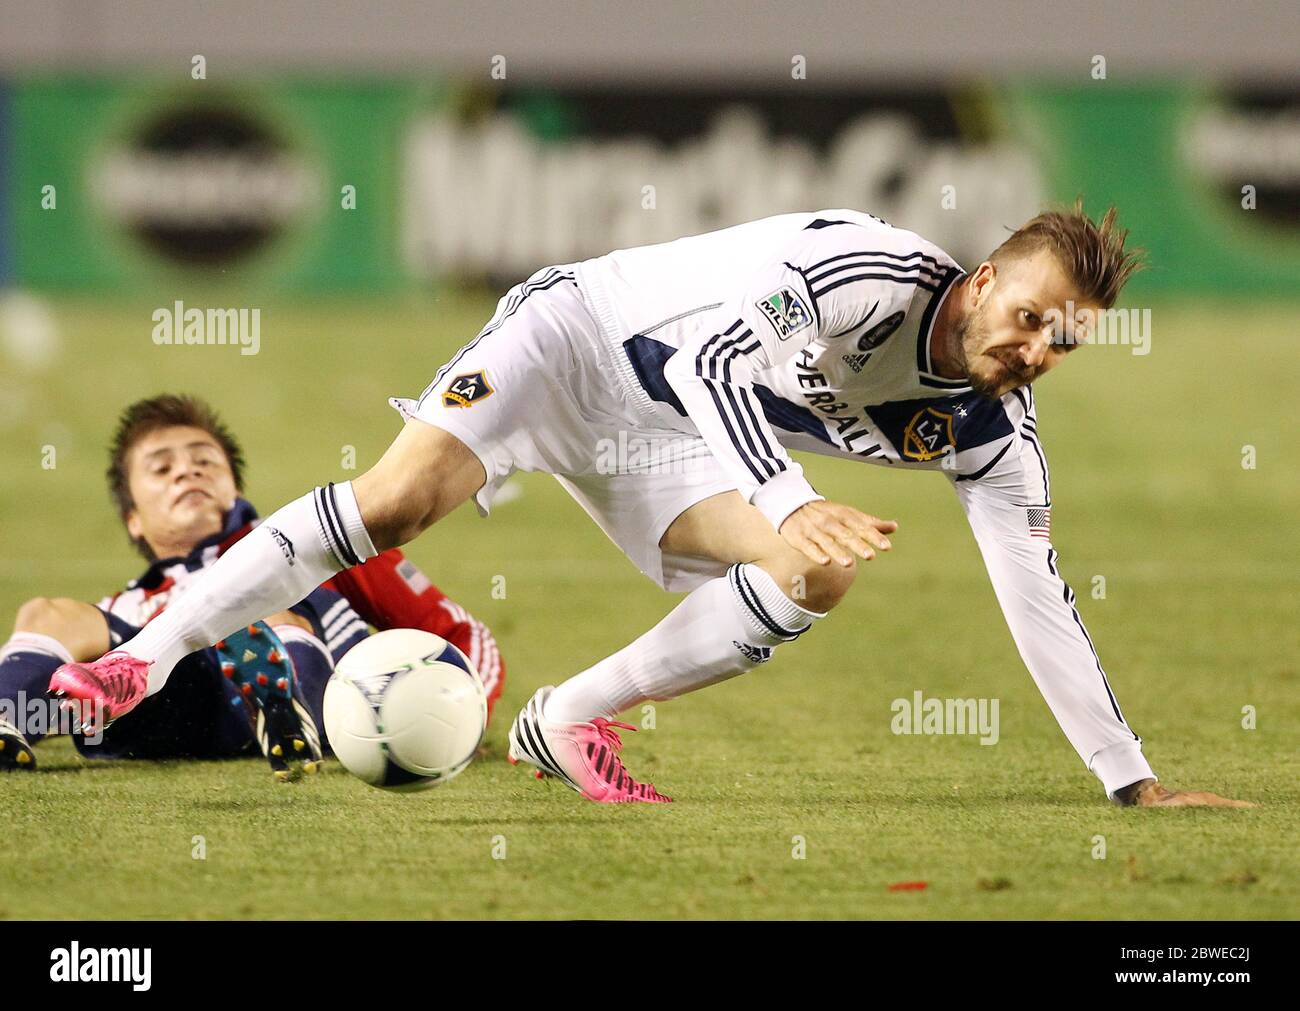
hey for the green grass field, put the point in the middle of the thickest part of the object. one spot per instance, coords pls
(1201, 563)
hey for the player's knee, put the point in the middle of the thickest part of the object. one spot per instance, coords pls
(44, 616)
(815, 587)
(825, 586)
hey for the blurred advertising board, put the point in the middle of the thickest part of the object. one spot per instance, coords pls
(1207, 179)
(347, 185)
(116, 184)
(496, 187)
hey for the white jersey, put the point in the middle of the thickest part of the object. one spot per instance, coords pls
(812, 331)
(718, 354)
(807, 331)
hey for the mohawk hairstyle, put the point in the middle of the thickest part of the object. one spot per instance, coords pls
(1091, 253)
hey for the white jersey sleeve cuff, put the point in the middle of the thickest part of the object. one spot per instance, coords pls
(1120, 765)
(782, 495)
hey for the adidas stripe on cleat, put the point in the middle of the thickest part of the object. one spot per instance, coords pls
(582, 756)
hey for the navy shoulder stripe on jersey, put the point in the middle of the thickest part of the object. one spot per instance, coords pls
(923, 364)
(904, 259)
(737, 413)
(927, 268)
(916, 279)
(823, 223)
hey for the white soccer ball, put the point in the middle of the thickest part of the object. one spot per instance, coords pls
(405, 710)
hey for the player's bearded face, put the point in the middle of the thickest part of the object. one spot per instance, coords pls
(1021, 326)
(182, 487)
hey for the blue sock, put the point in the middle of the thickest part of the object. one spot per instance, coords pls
(26, 662)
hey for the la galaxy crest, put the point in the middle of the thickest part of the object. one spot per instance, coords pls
(467, 389)
(928, 435)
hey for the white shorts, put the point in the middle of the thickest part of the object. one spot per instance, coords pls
(539, 389)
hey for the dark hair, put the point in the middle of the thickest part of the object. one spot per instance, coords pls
(146, 416)
(1091, 253)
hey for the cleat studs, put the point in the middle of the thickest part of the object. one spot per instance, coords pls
(2, 745)
(254, 630)
(228, 669)
(22, 758)
(539, 774)
(273, 656)
(219, 644)
(246, 689)
(282, 684)
(299, 744)
(310, 768)
(263, 680)
(277, 751)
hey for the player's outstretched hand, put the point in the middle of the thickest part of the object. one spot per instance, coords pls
(828, 531)
(1149, 793)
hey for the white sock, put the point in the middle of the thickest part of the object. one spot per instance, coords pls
(283, 559)
(34, 642)
(723, 628)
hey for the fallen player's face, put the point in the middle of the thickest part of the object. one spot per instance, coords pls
(182, 487)
(1026, 321)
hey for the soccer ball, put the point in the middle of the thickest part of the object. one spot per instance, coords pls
(405, 710)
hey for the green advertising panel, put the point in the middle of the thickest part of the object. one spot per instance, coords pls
(291, 185)
(310, 186)
(1207, 181)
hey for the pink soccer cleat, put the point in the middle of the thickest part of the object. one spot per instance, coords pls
(106, 688)
(582, 756)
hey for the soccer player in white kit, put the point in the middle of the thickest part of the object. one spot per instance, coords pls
(664, 387)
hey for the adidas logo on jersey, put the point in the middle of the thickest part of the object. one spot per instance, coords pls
(855, 362)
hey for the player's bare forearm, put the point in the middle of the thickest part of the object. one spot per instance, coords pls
(1149, 793)
(828, 531)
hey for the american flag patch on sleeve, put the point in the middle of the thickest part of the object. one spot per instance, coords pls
(1040, 522)
(416, 580)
